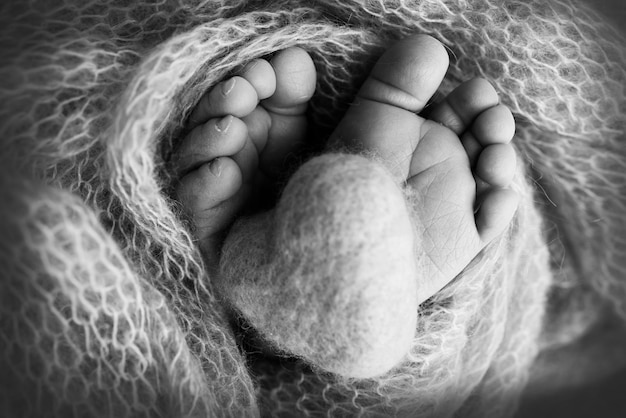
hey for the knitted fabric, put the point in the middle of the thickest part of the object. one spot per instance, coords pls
(106, 309)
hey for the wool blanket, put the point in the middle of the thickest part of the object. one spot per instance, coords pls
(106, 308)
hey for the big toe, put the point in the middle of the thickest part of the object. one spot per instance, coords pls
(295, 82)
(382, 120)
(279, 125)
(408, 74)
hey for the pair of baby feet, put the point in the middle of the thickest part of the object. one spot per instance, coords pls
(456, 163)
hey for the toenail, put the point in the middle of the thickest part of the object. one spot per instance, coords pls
(223, 124)
(227, 86)
(249, 66)
(216, 167)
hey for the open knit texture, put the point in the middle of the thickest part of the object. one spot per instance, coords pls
(105, 307)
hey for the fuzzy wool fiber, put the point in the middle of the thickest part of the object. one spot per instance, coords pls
(337, 282)
(106, 308)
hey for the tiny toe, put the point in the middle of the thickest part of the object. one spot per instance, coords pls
(209, 185)
(260, 74)
(495, 125)
(217, 138)
(234, 96)
(295, 82)
(496, 164)
(464, 104)
(205, 193)
(496, 210)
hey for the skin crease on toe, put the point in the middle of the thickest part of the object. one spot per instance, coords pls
(401, 83)
(408, 74)
(463, 104)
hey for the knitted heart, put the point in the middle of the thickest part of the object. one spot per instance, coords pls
(330, 274)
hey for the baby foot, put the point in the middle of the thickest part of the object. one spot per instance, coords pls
(455, 166)
(241, 132)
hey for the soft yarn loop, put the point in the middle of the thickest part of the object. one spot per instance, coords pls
(105, 307)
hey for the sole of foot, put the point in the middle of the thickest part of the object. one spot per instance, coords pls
(456, 164)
